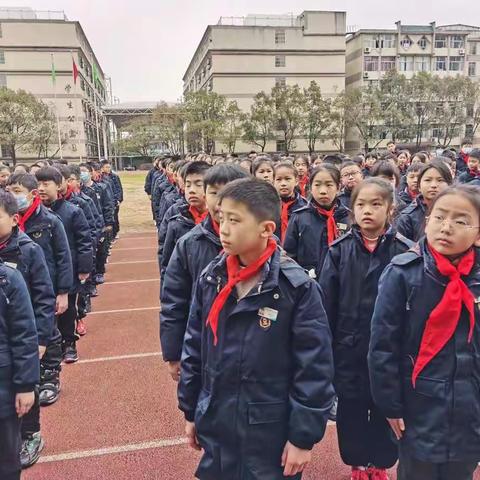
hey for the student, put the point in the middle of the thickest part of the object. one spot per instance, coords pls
(370, 160)
(285, 181)
(80, 242)
(262, 167)
(19, 367)
(349, 282)
(391, 147)
(473, 170)
(190, 214)
(163, 183)
(425, 340)
(192, 253)
(169, 198)
(246, 164)
(151, 176)
(351, 176)
(46, 230)
(302, 165)
(432, 179)
(410, 192)
(403, 161)
(4, 175)
(314, 227)
(115, 182)
(462, 159)
(260, 416)
(20, 252)
(390, 173)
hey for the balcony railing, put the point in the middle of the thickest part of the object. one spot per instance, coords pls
(30, 14)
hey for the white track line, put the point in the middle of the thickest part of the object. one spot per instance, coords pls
(132, 281)
(119, 357)
(104, 312)
(137, 238)
(154, 247)
(169, 442)
(134, 261)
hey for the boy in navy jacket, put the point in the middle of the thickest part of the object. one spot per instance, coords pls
(79, 240)
(109, 176)
(256, 371)
(19, 368)
(192, 253)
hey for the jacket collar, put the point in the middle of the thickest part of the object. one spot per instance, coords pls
(206, 229)
(340, 210)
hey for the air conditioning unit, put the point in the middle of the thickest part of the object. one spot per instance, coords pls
(367, 50)
(461, 51)
(365, 74)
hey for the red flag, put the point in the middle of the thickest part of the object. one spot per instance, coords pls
(75, 72)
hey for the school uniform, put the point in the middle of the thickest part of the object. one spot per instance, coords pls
(161, 186)
(411, 222)
(462, 162)
(149, 179)
(406, 196)
(168, 199)
(306, 240)
(117, 189)
(344, 197)
(442, 412)
(467, 176)
(349, 282)
(288, 205)
(268, 378)
(19, 366)
(192, 253)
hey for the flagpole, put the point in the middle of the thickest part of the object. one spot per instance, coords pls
(75, 111)
(54, 81)
(94, 74)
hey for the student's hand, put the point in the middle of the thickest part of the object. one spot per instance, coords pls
(294, 459)
(23, 403)
(41, 351)
(62, 303)
(174, 370)
(109, 228)
(398, 426)
(191, 433)
(83, 276)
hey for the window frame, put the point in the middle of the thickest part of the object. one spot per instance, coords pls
(444, 41)
(460, 62)
(279, 34)
(279, 62)
(444, 61)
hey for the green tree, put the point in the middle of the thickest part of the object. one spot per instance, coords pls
(232, 128)
(170, 122)
(339, 121)
(141, 138)
(472, 105)
(258, 125)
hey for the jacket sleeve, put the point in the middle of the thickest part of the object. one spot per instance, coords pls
(404, 226)
(41, 294)
(384, 357)
(190, 382)
(330, 285)
(90, 220)
(83, 242)
(148, 182)
(291, 238)
(311, 393)
(168, 246)
(63, 258)
(107, 205)
(175, 299)
(119, 187)
(22, 335)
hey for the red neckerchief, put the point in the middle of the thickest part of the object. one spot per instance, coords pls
(170, 179)
(197, 216)
(215, 227)
(286, 204)
(28, 213)
(302, 185)
(464, 156)
(5, 243)
(67, 195)
(474, 173)
(236, 274)
(412, 194)
(444, 318)
(332, 230)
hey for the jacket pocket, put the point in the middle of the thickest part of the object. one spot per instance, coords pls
(430, 387)
(266, 412)
(5, 358)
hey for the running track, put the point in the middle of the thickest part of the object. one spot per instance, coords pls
(117, 418)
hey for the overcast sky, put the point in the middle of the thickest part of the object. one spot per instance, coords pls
(145, 45)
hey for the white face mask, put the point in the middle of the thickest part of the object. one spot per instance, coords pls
(467, 150)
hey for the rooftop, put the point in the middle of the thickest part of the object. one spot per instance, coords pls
(26, 13)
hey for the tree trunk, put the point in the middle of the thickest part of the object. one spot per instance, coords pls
(13, 153)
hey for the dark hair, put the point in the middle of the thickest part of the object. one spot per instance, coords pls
(259, 161)
(75, 171)
(8, 202)
(4, 167)
(198, 167)
(26, 167)
(95, 166)
(358, 160)
(475, 153)
(87, 166)
(371, 155)
(260, 198)
(179, 164)
(440, 167)
(333, 159)
(333, 171)
(313, 157)
(390, 142)
(386, 190)
(348, 163)
(386, 169)
(467, 140)
(469, 192)
(222, 174)
(64, 170)
(26, 180)
(414, 168)
(247, 160)
(450, 154)
(105, 162)
(285, 164)
(446, 160)
(422, 156)
(304, 157)
(49, 174)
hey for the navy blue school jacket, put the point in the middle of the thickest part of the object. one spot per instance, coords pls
(442, 413)
(168, 199)
(116, 184)
(19, 365)
(27, 257)
(150, 179)
(345, 197)
(161, 185)
(306, 239)
(106, 201)
(269, 378)
(87, 211)
(47, 230)
(462, 162)
(97, 215)
(79, 239)
(192, 253)
(405, 196)
(411, 221)
(466, 177)
(349, 282)
(177, 227)
(297, 204)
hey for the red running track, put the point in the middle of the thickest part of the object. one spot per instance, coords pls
(117, 417)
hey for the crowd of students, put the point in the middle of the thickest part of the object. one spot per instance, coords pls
(298, 289)
(57, 225)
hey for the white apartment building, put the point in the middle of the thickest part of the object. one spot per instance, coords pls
(240, 57)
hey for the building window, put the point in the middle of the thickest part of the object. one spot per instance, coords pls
(422, 64)
(279, 37)
(2, 56)
(279, 60)
(437, 133)
(469, 131)
(280, 82)
(1, 31)
(441, 41)
(441, 64)
(369, 42)
(3, 80)
(370, 64)
(473, 48)
(457, 41)
(405, 64)
(388, 63)
(472, 68)
(456, 64)
(281, 146)
(423, 43)
(385, 41)
(406, 43)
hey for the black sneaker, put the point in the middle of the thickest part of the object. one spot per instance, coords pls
(94, 292)
(49, 387)
(99, 278)
(70, 355)
(31, 449)
(332, 415)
